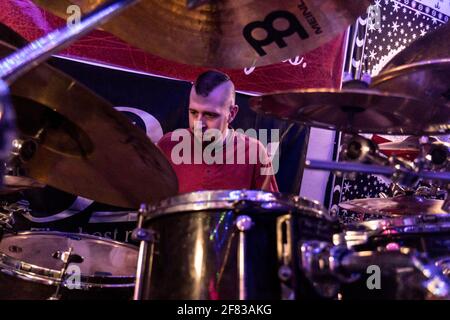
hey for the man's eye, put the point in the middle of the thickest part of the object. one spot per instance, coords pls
(193, 112)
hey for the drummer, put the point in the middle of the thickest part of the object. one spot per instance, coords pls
(210, 154)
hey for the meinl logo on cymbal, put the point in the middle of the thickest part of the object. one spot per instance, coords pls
(273, 34)
(310, 17)
(277, 35)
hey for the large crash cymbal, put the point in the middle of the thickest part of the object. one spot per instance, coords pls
(226, 33)
(422, 69)
(85, 146)
(397, 206)
(356, 111)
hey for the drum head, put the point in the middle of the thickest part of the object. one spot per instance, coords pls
(100, 257)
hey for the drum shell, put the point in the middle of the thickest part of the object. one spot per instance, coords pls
(196, 253)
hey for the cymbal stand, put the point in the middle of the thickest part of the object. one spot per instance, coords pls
(147, 240)
(373, 169)
(25, 59)
(363, 150)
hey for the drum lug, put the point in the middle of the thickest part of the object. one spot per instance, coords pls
(244, 223)
(284, 248)
(284, 273)
(284, 245)
(141, 234)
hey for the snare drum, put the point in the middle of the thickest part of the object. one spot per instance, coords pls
(231, 244)
(31, 270)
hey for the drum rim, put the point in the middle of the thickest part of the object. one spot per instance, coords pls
(226, 198)
(68, 234)
(16, 267)
(9, 266)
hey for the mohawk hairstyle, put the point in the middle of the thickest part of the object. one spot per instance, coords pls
(208, 81)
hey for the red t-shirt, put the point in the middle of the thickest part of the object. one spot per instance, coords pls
(241, 162)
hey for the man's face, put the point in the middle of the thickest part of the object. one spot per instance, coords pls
(215, 111)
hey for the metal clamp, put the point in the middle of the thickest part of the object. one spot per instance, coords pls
(67, 257)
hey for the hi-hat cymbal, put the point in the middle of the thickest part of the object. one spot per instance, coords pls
(85, 146)
(226, 33)
(397, 206)
(422, 69)
(356, 110)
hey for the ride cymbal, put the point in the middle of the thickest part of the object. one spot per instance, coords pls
(356, 111)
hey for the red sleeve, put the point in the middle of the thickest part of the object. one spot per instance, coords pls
(165, 144)
(264, 177)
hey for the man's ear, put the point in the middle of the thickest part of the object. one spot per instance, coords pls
(233, 112)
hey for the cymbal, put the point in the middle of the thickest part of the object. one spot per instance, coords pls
(422, 69)
(229, 34)
(13, 184)
(433, 46)
(397, 206)
(411, 143)
(408, 148)
(356, 111)
(85, 146)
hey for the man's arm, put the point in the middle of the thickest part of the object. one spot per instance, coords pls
(264, 177)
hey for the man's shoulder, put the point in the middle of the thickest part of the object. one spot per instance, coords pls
(166, 137)
(165, 140)
(173, 137)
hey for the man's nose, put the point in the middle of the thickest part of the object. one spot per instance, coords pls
(201, 118)
(199, 123)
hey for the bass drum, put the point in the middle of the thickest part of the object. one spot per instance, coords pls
(30, 268)
(231, 244)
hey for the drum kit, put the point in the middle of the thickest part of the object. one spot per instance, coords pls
(225, 244)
